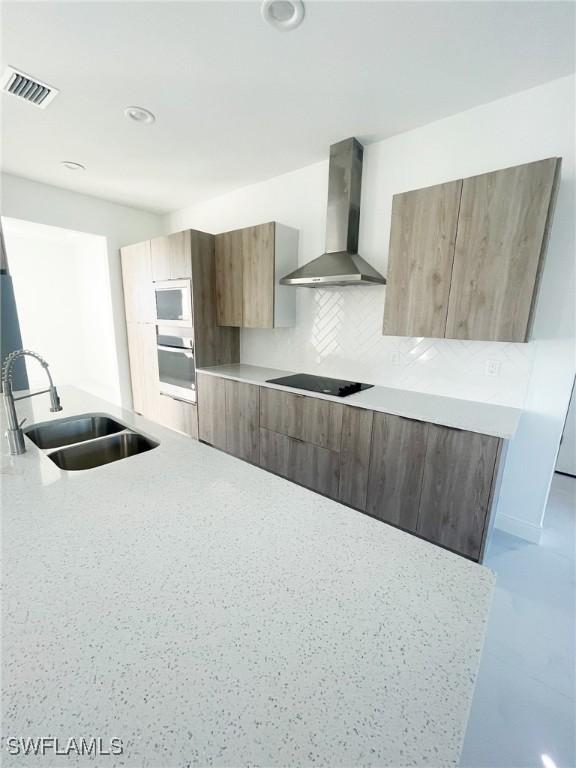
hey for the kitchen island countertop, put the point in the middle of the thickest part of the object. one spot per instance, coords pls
(207, 612)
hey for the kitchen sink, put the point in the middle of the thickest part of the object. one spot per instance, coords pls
(95, 453)
(76, 429)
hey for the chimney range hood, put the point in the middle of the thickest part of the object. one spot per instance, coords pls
(341, 264)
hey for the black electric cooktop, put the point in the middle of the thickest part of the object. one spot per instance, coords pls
(334, 387)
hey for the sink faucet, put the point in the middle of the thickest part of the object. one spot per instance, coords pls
(14, 433)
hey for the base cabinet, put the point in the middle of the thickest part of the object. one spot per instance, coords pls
(459, 474)
(242, 430)
(228, 416)
(212, 410)
(396, 469)
(433, 481)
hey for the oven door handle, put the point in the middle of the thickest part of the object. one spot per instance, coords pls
(178, 399)
(188, 351)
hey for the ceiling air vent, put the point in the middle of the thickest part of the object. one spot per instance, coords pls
(27, 88)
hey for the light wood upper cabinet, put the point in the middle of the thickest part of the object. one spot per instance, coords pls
(137, 281)
(229, 278)
(422, 239)
(171, 256)
(459, 474)
(465, 257)
(249, 265)
(499, 249)
(258, 254)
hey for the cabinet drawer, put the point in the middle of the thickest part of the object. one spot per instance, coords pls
(310, 465)
(309, 419)
(178, 415)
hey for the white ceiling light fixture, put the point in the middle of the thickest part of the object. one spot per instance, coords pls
(139, 115)
(284, 15)
(72, 166)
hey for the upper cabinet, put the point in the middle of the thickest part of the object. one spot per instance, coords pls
(500, 245)
(465, 257)
(249, 265)
(422, 242)
(170, 256)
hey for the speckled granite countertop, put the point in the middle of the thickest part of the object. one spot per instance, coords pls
(208, 613)
(475, 416)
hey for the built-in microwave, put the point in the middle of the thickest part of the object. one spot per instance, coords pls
(176, 364)
(173, 300)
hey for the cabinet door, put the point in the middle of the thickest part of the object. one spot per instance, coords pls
(310, 465)
(171, 256)
(178, 415)
(242, 416)
(144, 368)
(229, 271)
(501, 236)
(258, 276)
(212, 410)
(137, 281)
(310, 419)
(355, 456)
(456, 489)
(422, 238)
(396, 469)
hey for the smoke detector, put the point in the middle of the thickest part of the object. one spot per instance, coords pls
(27, 88)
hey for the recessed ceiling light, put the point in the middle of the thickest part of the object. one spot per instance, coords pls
(283, 14)
(72, 166)
(139, 115)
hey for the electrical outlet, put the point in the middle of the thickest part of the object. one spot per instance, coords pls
(396, 358)
(492, 368)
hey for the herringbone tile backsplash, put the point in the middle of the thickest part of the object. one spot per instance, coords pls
(339, 333)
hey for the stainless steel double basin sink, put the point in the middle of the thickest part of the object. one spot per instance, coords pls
(87, 441)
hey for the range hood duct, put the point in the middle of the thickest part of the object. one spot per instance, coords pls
(341, 264)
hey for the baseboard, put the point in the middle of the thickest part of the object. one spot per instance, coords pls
(519, 528)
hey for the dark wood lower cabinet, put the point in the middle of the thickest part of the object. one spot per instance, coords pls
(459, 473)
(212, 410)
(242, 422)
(396, 469)
(305, 463)
(355, 456)
(434, 481)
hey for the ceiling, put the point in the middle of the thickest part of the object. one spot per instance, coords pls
(237, 101)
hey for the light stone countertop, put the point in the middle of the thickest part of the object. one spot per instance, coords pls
(207, 612)
(486, 418)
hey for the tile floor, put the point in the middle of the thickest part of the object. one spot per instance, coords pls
(523, 713)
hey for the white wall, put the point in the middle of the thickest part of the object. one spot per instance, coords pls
(120, 225)
(62, 288)
(339, 331)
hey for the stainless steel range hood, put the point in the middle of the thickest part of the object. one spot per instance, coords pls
(341, 264)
